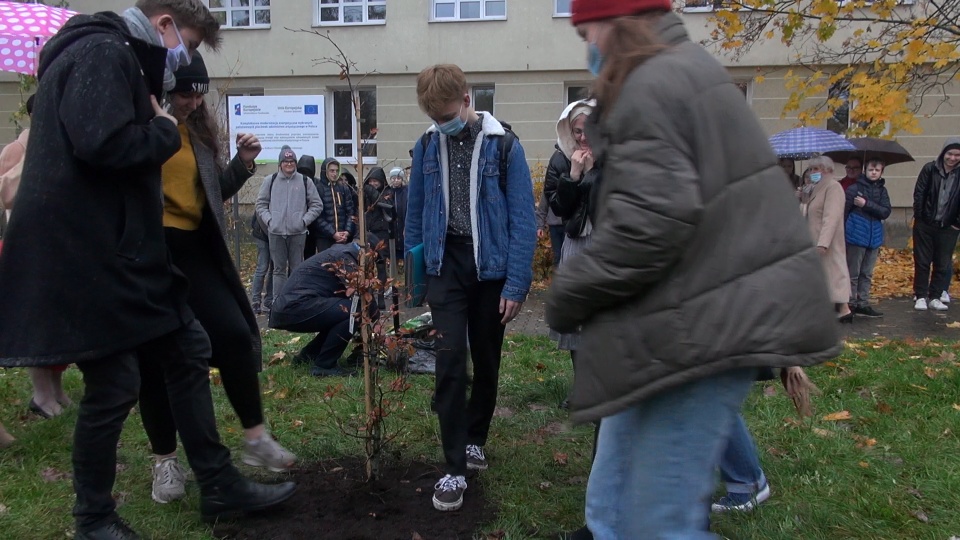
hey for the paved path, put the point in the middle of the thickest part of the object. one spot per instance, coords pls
(900, 320)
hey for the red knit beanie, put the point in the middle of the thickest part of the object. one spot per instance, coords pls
(595, 10)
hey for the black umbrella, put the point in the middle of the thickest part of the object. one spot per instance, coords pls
(870, 147)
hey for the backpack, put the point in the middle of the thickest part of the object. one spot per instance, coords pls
(504, 146)
(256, 230)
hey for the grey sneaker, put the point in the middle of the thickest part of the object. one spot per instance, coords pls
(449, 493)
(268, 453)
(476, 461)
(169, 481)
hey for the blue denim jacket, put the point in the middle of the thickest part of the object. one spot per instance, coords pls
(504, 226)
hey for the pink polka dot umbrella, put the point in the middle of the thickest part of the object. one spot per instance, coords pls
(24, 28)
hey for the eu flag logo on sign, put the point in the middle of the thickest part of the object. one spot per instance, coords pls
(311, 109)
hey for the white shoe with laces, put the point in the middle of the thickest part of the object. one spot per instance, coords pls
(945, 297)
(169, 481)
(266, 452)
(921, 304)
(938, 305)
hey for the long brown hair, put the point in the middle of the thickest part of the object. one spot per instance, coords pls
(203, 129)
(632, 40)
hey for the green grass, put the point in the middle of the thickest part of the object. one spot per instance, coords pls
(869, 477)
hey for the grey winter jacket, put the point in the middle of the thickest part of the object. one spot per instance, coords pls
(699, 262)
(284, 208)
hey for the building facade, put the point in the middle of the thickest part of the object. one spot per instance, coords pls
(523, 60)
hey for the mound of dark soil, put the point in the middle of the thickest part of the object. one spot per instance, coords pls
(333, 502)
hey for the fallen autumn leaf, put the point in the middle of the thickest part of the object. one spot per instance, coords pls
(841, 415)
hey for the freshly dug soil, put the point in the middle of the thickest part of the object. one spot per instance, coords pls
(333, 502)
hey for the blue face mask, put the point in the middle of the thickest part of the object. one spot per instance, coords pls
(815, 177)
(179, 55)
(453, 126)
(595, 59)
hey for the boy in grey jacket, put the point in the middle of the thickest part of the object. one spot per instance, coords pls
(286, 205)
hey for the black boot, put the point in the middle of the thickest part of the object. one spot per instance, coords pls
(242, 496)
(115, 530)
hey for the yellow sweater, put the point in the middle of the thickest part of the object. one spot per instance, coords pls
(183, 196)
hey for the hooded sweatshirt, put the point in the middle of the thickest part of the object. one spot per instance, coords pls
(287, 205)
(378, 208)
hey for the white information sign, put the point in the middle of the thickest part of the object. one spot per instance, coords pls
(295, 121)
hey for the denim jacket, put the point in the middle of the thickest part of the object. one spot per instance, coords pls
(503, 222)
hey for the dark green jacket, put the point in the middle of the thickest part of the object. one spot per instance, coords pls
(700, 261)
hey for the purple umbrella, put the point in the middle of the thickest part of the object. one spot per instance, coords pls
(805, 143)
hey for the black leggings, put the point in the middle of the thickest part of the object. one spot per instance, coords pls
(217, 309)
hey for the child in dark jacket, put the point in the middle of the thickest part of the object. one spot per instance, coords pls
(868, 205)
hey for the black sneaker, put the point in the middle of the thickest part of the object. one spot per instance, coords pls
(476, 461)
(449, 493)
(868, 312)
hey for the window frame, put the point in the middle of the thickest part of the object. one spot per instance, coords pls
(747, 91)
(318, 7)
(252, 8)
(483, 86)
(334, 141)
(574, 84)
(456, 9)
(562, 14)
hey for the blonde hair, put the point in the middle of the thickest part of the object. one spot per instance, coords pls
(438, 85)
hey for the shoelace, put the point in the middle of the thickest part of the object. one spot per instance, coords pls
(475, 452)
(169, 469)
(449, 483)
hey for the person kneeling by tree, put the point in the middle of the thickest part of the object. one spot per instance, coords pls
(318, 298)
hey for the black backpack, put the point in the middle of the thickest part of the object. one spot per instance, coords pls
(504, 146)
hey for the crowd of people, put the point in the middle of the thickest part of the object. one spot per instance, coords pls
(649, 201)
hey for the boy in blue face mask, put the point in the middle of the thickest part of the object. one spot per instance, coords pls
(478, 233)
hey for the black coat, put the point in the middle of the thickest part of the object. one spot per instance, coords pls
(569, 200)
(315, 285)
(339, 211)
(378, 209)
(926, 193)
(85, 271)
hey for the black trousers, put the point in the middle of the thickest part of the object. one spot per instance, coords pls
(332, 326)
(932, 245)
(217, 310)
(464, 308)
(178, 361)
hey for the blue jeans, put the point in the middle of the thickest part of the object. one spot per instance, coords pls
(556, 242)
(740, 465)
(263, 276)
(653, 476)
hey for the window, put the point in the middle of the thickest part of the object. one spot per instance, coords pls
(337, 12)
(344, 125)
(561, 8)
(576, 92)
(482, 97)
(695, 6)
(466, 10)
(241, 13)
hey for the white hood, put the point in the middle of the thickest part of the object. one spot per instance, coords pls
(565, 139)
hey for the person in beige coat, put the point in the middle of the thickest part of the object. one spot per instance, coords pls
(822, 202)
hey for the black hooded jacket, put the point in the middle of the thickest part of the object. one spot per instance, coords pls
(926, 193)
(338, 207)
(378, 209)
(84, 260)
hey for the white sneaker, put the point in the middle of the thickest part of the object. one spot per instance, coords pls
(268, 453)
(169, 481)
(921, 304)
(945, 297)
(938, 305)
